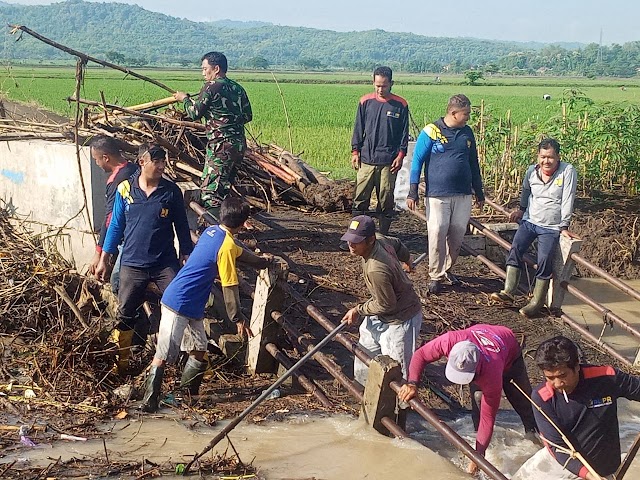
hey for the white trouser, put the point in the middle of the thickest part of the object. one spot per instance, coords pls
(178, 332)
(447, 219)
(544, 466)
(379, 338)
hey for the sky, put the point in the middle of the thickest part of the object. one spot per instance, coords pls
(545, 21)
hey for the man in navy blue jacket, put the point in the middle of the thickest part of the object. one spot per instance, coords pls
(146, 210)
(581, 400)
(378, 147)
(447, 150)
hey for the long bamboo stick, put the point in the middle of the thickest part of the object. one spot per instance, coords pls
(85, 57)
(160, 118)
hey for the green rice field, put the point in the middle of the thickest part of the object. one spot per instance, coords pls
(321, 107)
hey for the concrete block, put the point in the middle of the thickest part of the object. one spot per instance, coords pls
(267, 298)
(379, 400)
(476, 242)
(233, 347)
(563, 268)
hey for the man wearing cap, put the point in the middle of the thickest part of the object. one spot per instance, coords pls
(146, 210)
(392, 317)
(487, 357)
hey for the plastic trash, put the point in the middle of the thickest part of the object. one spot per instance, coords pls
(272, 395)
(24, 439)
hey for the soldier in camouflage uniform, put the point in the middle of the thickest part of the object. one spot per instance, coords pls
(225, 107)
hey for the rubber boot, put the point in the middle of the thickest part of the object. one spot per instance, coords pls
(123, 339)
(506, 295)
(538, 299)
(152, 385)
(192, 375)
(385, 224)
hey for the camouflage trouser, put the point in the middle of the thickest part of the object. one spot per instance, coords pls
(220, 168)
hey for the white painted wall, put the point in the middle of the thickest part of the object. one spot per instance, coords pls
(40, 180)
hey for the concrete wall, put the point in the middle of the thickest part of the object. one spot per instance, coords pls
(40, 180)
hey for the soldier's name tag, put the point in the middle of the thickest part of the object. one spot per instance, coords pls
(393, 114)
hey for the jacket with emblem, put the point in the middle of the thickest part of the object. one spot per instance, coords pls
(589, 419)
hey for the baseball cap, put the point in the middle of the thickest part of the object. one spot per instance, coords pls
(360, 227)
(461, 365)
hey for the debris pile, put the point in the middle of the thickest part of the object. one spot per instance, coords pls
(51, 348)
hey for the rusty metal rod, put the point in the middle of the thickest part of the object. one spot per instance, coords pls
(447, 432)
(308, 385)
(624, 287)
(318, 316)
(591, 337)
(456, 440)
(604, 311)
(234, 423)
(353, 387)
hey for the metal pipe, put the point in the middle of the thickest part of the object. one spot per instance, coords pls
(333, 368)
(590, 336)
(605, 312)
(234, 423)
(624, 287)
(308, 385)
(447, 432)
(455, 440)
(336, 372)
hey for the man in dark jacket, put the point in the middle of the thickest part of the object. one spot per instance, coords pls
(581, 400)
(378, 147)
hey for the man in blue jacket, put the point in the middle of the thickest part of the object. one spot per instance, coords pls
(146, 210)
(446, 151)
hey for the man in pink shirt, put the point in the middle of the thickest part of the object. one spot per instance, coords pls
(487, 357)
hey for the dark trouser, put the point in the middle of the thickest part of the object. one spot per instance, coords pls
(133, 284)
(380, 179)
(547, 243)
(520, 403)
(220, 167)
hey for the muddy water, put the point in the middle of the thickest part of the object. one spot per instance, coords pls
(303, 447)
(612, 298)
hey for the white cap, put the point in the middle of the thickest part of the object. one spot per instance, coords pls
(462, 362)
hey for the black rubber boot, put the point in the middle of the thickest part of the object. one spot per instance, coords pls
(385, 224)
(506, 295)
(538, 299)
(153, 385)
(192, 375)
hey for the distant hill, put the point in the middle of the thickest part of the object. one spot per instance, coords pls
(134, 36)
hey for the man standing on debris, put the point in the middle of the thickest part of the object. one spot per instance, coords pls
(447, 150)
(184, 301)
(392, 317)
(579, 402)
(105, 151)
(225, 107)
(378, 147)
(546, 206)
(487, 357)
(146, 210)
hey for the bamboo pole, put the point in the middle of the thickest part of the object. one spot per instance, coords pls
(160, 118)
(86, 58)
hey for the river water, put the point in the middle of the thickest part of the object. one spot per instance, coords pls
(340, 447)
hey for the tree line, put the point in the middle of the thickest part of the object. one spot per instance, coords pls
(133, 36)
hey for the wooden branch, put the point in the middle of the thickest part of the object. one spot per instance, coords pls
(85, 57)
(74, 308)
(159, 118)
